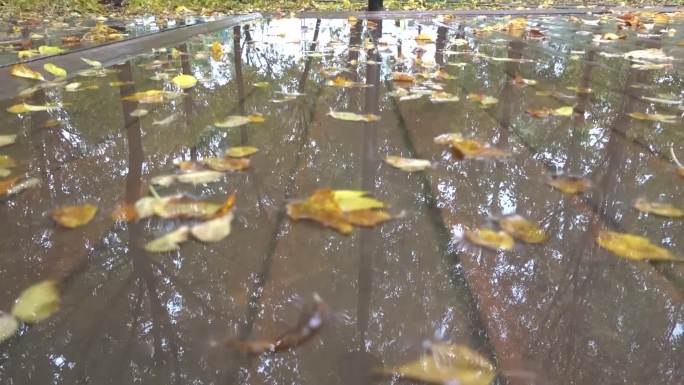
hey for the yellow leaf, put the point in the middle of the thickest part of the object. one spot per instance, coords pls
(470, 149)
(563, 111)
(23, 108)
(226, 164)
(262, 84)
(26, 54)
(241, 152)
(367, 218)
(402, 77)
(23, 71)
(125, 212)
(256, 118)
(350, 201)
(662, 209)
(168, 242)
(153, 96)
(6, 140)
(496, 240)
(8, 326)
(654, 117)
(407, 164)
(353, 117)
(484, 100)
(633, 247)
(216, 51)
(6, 161)
(49, 50)
(448, 364)
(92, 63)
(520, 228)
(213, 230)
(424, 38)
(569, 184)
(184, 81)
(443, 97)
(233, 121)
(55, 70)
(74, 216)
(38, 302)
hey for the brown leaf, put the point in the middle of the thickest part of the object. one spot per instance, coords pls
(569, 184)
(74, 216)
(522, 229)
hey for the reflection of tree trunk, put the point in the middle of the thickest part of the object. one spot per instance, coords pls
(440, 45)
(307, 64)
(237, 63)
(133, 135)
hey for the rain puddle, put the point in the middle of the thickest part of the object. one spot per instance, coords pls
(350, 201)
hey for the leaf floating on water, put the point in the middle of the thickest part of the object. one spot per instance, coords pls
(522, 229)
(55, 70)
(226, 164)
(49, 50)
(6, 161)
(580, 90)
(339, 209)
(472, 149)
(38, 302)
(125, 212)
(23, 71)
(72, 87)
(407, 164)
(443, 97)
(262, 84)
(153, 96)
(194, 177)
(495, 240)
(403, 77)
(6, 140)
(184, 81)
(139, 112)
(633, 247)
(74, 216)
(448, 364)
(569, 184)
(484, 100)
(662, 209)
(92, 63)
(654, 117)
(213, 230)
(166, 121)
(23, 185)
(342, 82)
(662, 100)
(353, 117)
(8, 326)
(168, 242)
(6, 185)
(448, 138)
(649, 54)
(234, 121)
(23, 108)
(423, 38)
(241, 151)
(564, 111)
(216, 51)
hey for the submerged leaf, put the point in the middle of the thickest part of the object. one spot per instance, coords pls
(569, 184)
(213, 230)
(662, 209)
(407, 164)
(184, 81)
(521, 228)
(633, 247)
(74, 216)
(353, 117)
(55, 70)
(448, 364)
(168, 242)
(496, 240)
(23, 71)
(241, 151)
(8, 326)
(38, 302)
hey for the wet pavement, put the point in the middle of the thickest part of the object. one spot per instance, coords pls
(562, 312)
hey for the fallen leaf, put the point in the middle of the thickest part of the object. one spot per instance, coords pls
(139, 112)
(662, 209)
(216, 51)
(194, 177)
(649, 54)
(262, 84)
(241, 151)
(23, 108)
(407, 164)
(153, 96)
(226, 164)
(522, 229)
(563, 111)
(349, 200)
(49, 50)
(8, 326)
(484, 100)
(472, 149)
(424, 38)
(670, 102)
(353, 117)
(74, 216)
(72, 87)
(233, 121)
(342, 82)
(654, 117)
(495, 240)
(125, 212)
(184, 81)
(23, 71)
(38, 302)
(55, 70)
(6, 161)
(21, 186)
(580, 90)
(213, 230)
(168, 242)
(633, 247)
(448, 364)
(166, 121)
(402, 77)
(443, 97)
(92, 63)
(6, 185)
(569, 184)
(6, 140)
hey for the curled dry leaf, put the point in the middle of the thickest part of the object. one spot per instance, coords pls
(339, 210)
(407, 164)
(311, 321)
(168, 242)
(495, 240)
(662, 209)
(569, 184)
(633, 247)
(448, 364)
(213, 230)
(8, 326)
(38, 302)
(184, 81)
(522, 229)
(23, 71)
(74, 216)
(241, 151)
(353, 117)
(55, 70)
